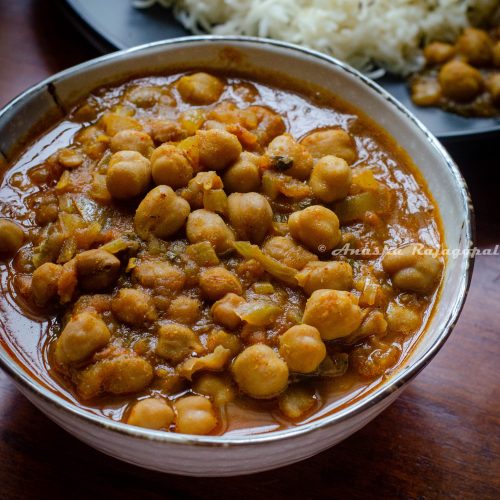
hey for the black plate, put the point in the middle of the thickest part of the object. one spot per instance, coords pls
(115, 24)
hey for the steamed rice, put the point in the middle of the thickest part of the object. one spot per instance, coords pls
(364, 33)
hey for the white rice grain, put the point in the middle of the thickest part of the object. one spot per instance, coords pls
(365, 33)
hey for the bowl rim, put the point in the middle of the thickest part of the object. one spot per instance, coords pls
(394, 383)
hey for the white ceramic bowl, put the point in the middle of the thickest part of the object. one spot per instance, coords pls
(219, 455)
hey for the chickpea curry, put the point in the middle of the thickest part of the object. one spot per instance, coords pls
(464, 77)
(209, 254)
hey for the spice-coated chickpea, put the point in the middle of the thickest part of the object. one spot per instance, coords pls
(302, 348)
(334, 141)
(128, 175)
(203, 225)
(334, 313)
(243, 176)
(260, 372)
(295, 158)
(161, 213)
(251, 216)
(412, 269)
(316, 227)
(331, 179)
(325, 275)
(96, 270)
(44, 283)
(200, 88)
(217, 149)
(216, 282)
(84, 334)
(170, 166)
(133, 307)
(132, 140)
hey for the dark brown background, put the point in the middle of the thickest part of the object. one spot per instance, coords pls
(441, 439)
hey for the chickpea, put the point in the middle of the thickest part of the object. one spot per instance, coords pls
(170, 166)
(133, 307)
(132, 140)
(96, 270)
(195, 415)
(122, 374)
(177, 342)
(128, 175)
(226, 340)
(151, 413)
(333, 141)
(402, 319)
(200, 88)
(68, 282)
(460, 81)
(302, 348)
(199, 185)
(96, 303)
(84, 334)
(493, 86)
(317, 227)
(215, 282)
(203, 225)
(157, 274)
(325, 275)
(331, 179)
(476, 46)
(296, 159)
(496, 54)
(260, 372)
(218, 149)
(224, 311)
(411, 269)
(425, 91)
(287, 251)
(334, 313)
(438, 52)
(250, 270)
(165, 130)
(216, 386)
(244, 175)
(127, 374)
(144, 97)
(114, 123)
(11, 237)
(250, 215)
(44, 283)
(184, 309)
(89, 138)
(69, 158)
(161, 213)
(373, 324)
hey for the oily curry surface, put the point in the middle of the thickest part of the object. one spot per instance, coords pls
(208, 254)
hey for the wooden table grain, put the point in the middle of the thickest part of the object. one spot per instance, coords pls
(440, 439)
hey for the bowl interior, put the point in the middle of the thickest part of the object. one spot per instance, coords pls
(51, 99)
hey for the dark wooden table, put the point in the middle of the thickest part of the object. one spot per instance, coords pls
(441, 439)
